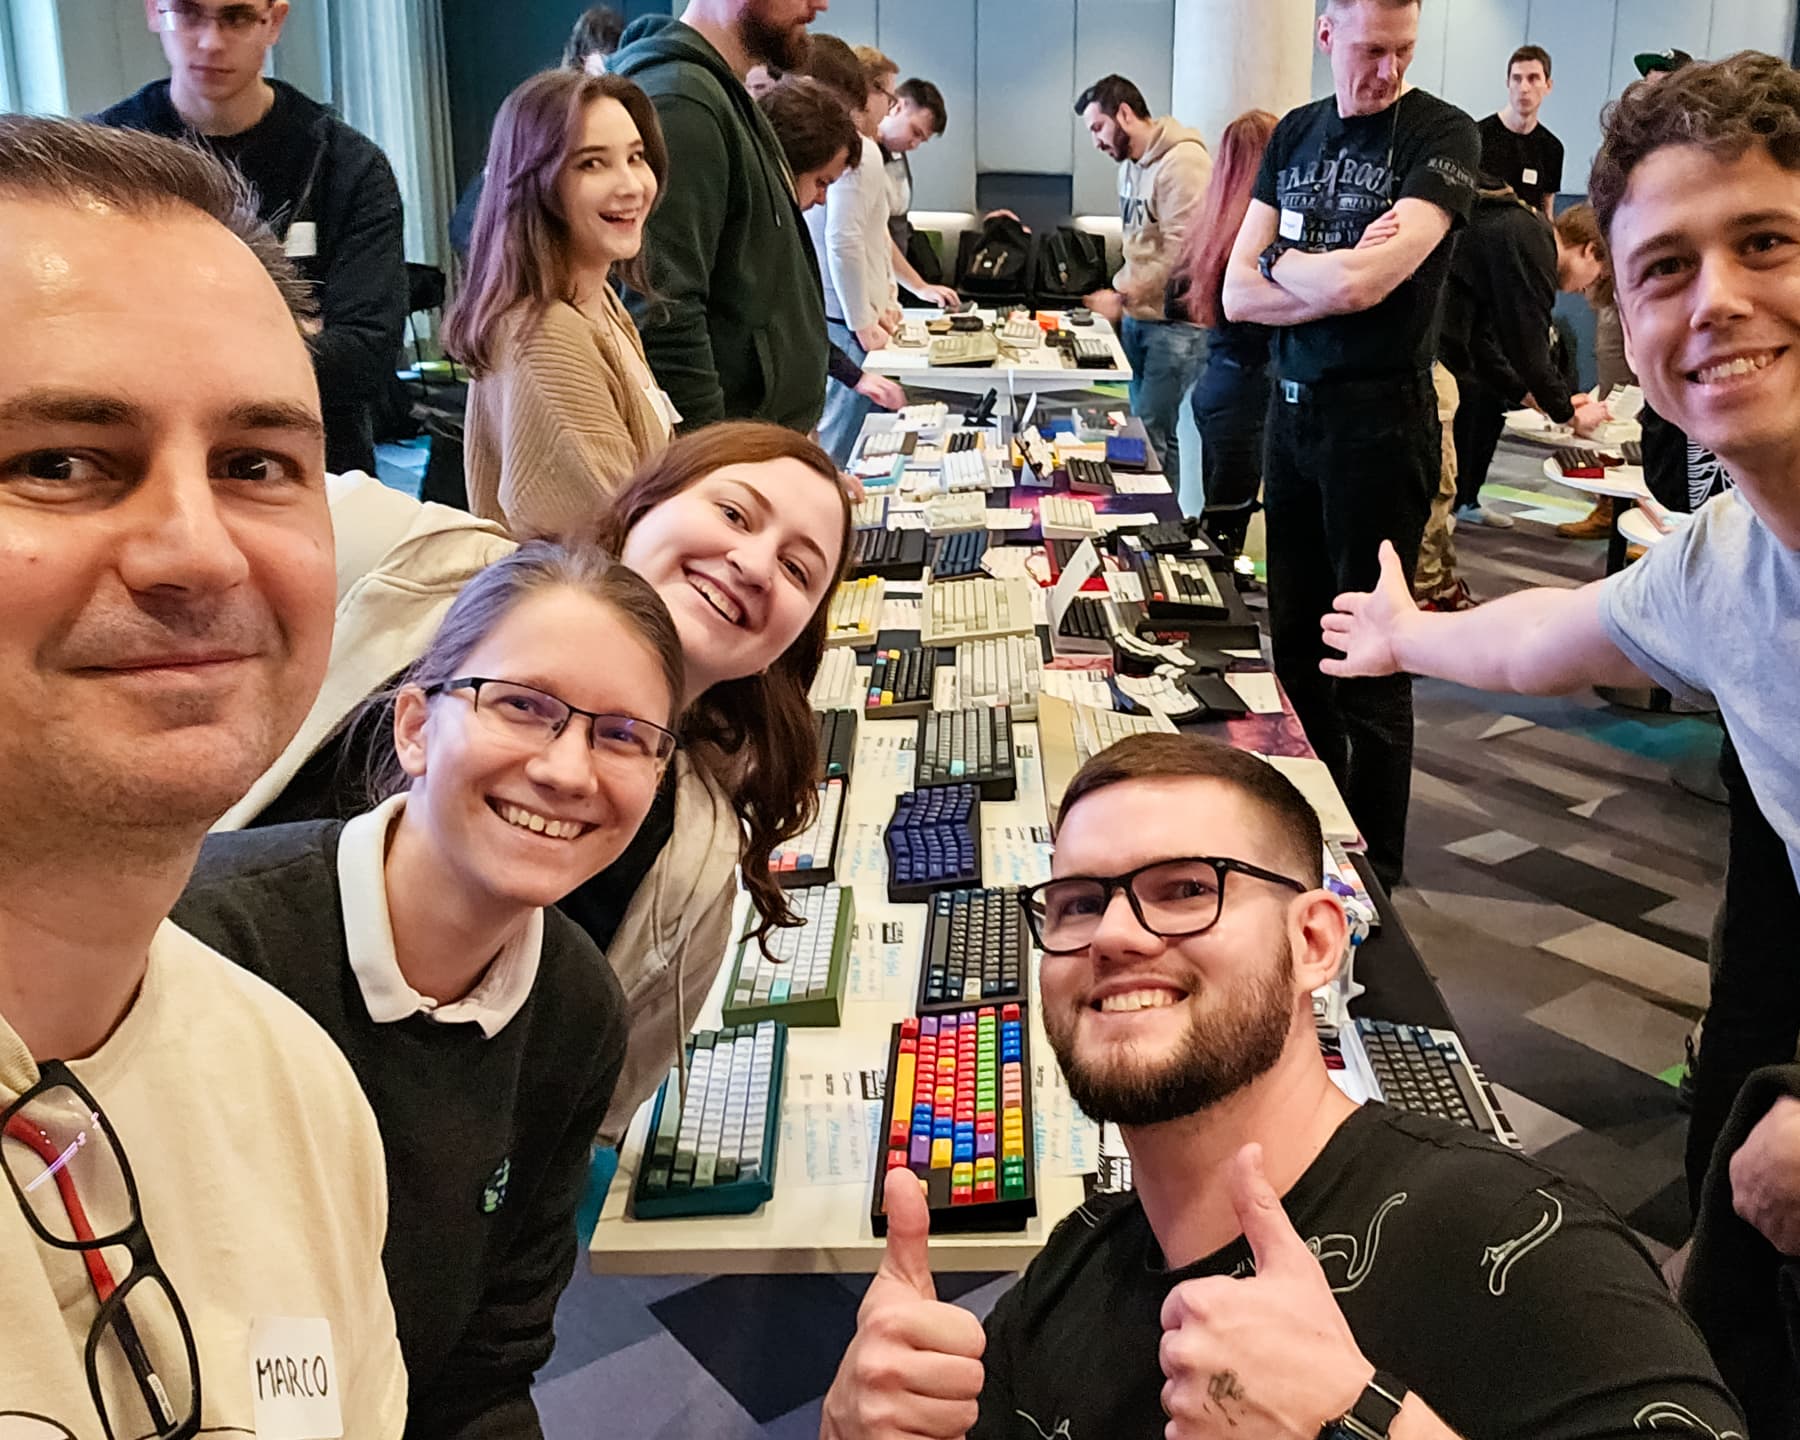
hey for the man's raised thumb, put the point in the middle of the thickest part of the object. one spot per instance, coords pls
(1273, 1239)
(908, 1259)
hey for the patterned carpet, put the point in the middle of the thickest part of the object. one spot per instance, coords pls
(1562, 889)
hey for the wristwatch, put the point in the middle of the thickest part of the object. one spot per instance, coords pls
(1265, 262)
(1372, 1414)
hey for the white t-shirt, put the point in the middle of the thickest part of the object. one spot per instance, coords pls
(262, 1188)
(850, 232)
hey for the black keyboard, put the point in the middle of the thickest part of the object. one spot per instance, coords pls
(1165, 538)
(1089, 476)
(971, 747)
(933, 843)
(1096, 353)
(1179, 589)
(957, 1113)
(959, 440)
(890, 554)
(900, 684)
(1632, 452)
(837, 743)
(1428, 1071)
(959, 556)
(1086, 618)
(975, 950)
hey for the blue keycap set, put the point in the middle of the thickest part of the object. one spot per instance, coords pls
(933, 843)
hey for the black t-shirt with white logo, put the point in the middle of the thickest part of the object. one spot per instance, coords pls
(1513, 1302)
(1329, 177)
(1532, 164)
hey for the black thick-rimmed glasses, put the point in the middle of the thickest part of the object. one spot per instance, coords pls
(1172, 899)
(70, 1176)
(535, 717)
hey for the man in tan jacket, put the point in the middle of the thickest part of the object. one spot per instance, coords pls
(1164, 169)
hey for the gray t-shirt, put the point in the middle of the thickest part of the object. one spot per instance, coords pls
(1712, 614)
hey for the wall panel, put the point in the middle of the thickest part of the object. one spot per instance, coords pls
(935, 39)
(1577, 37)
(1130, 38)
(1480, 37)
(1026, 53)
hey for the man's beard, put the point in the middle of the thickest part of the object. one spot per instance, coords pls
(1224, 1050)
(784, 47)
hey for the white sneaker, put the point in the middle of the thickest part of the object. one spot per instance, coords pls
(1478, 515)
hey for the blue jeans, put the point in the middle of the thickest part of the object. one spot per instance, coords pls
(1165, 357)
(845, 410)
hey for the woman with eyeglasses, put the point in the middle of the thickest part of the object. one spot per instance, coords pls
(563, 406)
(483, 1024)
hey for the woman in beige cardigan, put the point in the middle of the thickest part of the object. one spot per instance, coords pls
(563, 406)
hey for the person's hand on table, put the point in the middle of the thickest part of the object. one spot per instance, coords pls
(1365, 625)
(1383, 228)
(1109, 305)
(1268, 1357)
(1765, 1176)
(1589, 417)
(884, 392)
(853, 487)
(914, 1368)
(942, 296)
(892, 318)
(873, 337)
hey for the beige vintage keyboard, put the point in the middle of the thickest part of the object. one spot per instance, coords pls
(855, 615)
(1064, 517)
(982, 609)
(835, 687)
(1007, 670)
(976, 347)
(966, 510)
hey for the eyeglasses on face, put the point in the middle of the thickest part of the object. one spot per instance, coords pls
(534, 718)
(1172, 899)
(188, 19)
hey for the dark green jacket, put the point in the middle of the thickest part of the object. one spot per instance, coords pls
(737, 329)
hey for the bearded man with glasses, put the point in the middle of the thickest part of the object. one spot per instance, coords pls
(326, 191)
(1290, 1266)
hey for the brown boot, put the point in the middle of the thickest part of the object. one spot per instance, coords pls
(1596, 525)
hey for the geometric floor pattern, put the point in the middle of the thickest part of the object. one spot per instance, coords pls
(1561, 889)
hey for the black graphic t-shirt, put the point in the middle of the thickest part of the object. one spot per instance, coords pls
(1513, 1302)
(1532, 164)
(1329, 177)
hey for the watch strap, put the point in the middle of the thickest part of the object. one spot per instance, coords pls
(1372, 1416)
(1265, 262)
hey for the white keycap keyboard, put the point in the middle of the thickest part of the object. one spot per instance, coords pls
(723, 1118)
(1096, 729)
(800, 968)
(1064, 517)
(979, 609)
(870, 513)
(912, 335)
(835, 686)
(1159, 692)
(882, 444)
(946, 514)
(924, 417)
(855, 615)
(1021, 329)
(1008, 670)
(964, 470)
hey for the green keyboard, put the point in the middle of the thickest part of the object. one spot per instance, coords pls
(802, 982)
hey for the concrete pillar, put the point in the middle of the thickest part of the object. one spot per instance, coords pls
(1237, 55)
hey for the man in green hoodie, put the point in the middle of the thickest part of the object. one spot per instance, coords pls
(736, 328)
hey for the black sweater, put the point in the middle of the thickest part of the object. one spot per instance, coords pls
(307, 165)
(1497, 307)
(487, 1141)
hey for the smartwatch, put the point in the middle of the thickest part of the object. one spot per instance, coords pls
(1373, 1413)
(1265, 262)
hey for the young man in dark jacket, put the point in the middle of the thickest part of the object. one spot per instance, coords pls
(1495, 339)
(326, 191)
(736, 329)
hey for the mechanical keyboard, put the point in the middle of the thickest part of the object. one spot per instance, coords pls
(889, 554)
(975, 950)
(967, 747)
(1095, 354)
(855, 615)
(1414, 1068)
(1087, 626)
(1096, 729)
(958, 1115)
(1632, 452)
(1004, 671)
(965, 510)
(1155, 692)
(799, 978)
(869, 513)
(911, 335)
(925, 417)
(958, 556)
(1127, 452)
(977, 347)
(835, 687)
(959, 441)
(1164, 538)
(715, 1154)
(884, 444)
(810, 858)
(962, 472)
(933, 843)
(1064, 517)
(837, 743)
(980, 609)
(1021, 329)
(1577, 463)
(1176, 588)
(900, 684)
(1093, 477)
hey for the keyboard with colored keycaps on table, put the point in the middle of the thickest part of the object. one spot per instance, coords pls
(837, 743)
(958, 1115)
(800, 980)
(715, 1154)
(933, 843)
(972, 747)
(900, 684)
(975, 950)
(855, 615)
(810, 858)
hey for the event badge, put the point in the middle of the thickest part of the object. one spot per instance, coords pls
(1292, 224)
(294, 1379)
(1528, 177)
(302, 241)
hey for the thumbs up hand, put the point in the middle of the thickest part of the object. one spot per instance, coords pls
(1269, 1357)
(914, 1368)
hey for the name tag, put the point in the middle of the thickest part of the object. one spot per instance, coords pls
(1529, 177)
(302, 241)
(1292, 224)
(294, 1380)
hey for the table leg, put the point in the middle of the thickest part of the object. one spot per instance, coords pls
(1615, 543)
